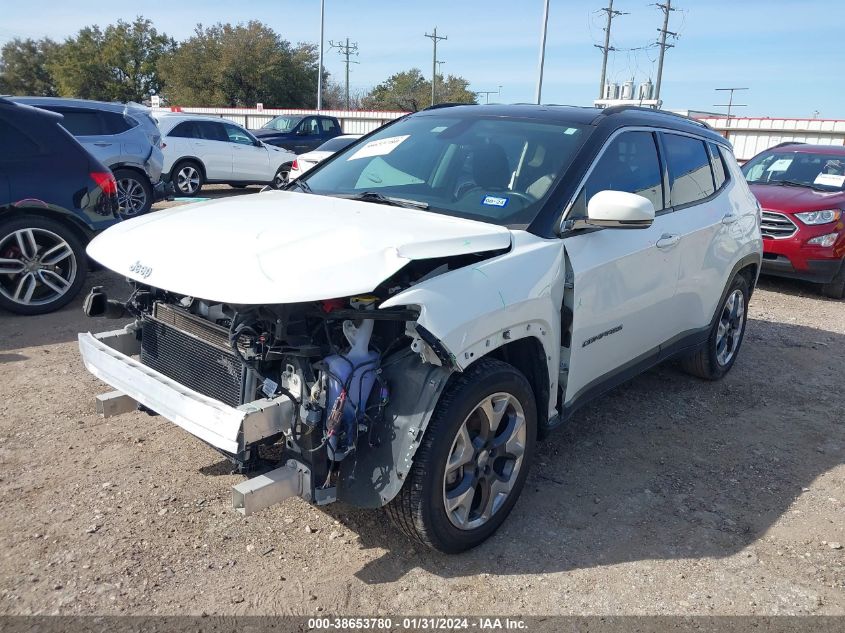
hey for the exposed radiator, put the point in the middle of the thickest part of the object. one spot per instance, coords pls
(193, 352)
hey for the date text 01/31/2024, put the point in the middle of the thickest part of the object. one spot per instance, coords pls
(417, 624)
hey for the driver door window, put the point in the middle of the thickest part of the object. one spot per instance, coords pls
(629, 163)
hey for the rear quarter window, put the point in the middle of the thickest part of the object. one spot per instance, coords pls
(114, 123)
(15, 143)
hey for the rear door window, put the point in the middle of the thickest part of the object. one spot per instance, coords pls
(81, 122)
(211, 131)
(329, 126)
(186, 129)
(690, 174)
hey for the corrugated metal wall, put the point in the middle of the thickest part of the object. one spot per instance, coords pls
(751, 136)
(352, 122)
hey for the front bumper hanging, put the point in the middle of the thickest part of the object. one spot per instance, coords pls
(108, 356)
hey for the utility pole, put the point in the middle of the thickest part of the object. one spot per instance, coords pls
(347, 50)
(666, 8)
(545, 28)
(730, 104)
(607, 47)
(320, 68)
(434, 38)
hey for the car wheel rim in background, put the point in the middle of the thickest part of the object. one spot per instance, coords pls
(36, 266)
(484, 461)
(131, 197)
(188, 180)
(729, 328)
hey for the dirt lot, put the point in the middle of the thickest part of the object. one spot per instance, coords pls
(671, 495)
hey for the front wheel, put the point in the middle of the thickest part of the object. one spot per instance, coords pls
(836, 288)
(42, 265)
(716, 357)
(472, 463)
(281, 178)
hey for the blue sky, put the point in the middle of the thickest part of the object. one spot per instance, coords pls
(787, 52)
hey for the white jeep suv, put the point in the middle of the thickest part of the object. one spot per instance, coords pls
(404, 321)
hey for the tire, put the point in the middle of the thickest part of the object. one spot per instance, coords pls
(715, 358)
(134, 193)
(187, 177)
(836, 288)
(281, 177)
(57, 279)
(420, 508)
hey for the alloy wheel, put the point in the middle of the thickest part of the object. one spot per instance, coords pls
(729, 330)
(188, 180)
(484, 461)
(131, 197)
(37, 266)
(281, 179)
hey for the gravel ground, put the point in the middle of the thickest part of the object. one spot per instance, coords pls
(669, 496)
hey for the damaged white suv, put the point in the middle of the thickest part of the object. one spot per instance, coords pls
(401, 324)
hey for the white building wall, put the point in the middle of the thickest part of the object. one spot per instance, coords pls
(751, 136)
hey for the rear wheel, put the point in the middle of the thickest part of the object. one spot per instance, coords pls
(716, 357)
(134, 193)
(472, 463)
(187, 178)
(836, 288)
(42, 265)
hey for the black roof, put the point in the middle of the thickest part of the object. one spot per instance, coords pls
(616, 116)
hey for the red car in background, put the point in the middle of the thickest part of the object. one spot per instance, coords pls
(801, 189)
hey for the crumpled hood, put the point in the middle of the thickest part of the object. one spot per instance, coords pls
(283, 246)
(794, 199)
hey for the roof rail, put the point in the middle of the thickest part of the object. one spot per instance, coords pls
(623, 108)
(437, 106)
(785, 143)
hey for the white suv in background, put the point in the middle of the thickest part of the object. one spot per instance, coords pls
(199, 150)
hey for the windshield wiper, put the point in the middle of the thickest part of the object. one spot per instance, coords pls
(795, 183)
(380, 198)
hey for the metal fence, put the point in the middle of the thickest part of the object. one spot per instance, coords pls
(351, 121)
(751, 136)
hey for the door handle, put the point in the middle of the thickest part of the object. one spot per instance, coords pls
(102, 144)
(668, 241)
(730, 218)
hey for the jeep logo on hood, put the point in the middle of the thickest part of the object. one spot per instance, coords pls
(139, 269)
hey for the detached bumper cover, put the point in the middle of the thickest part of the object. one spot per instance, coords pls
(163, 190)
(230, 429)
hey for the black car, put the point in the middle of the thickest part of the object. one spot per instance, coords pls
(298, 133)
(54, 196)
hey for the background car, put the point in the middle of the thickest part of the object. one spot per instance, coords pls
(299, 134)
(306, 161)
(199, 150)
(801, 189)
(54, 196)
(124, 137)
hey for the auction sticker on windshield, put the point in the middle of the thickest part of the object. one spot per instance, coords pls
(381, 147)
(831, 180)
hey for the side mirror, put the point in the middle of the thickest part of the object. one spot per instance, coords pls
(619, 210)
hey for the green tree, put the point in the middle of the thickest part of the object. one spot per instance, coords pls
(240, 65)
(23, 68)
(410, 91)
(120, 63)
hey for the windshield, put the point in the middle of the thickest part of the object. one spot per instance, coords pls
(494, 169)
(336, 144)
(282, 123)
(815, 170)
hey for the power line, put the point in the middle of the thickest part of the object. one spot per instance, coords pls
(607, 47)
(666, 8)
(347, 50)
(730, 104)
(434, 38)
